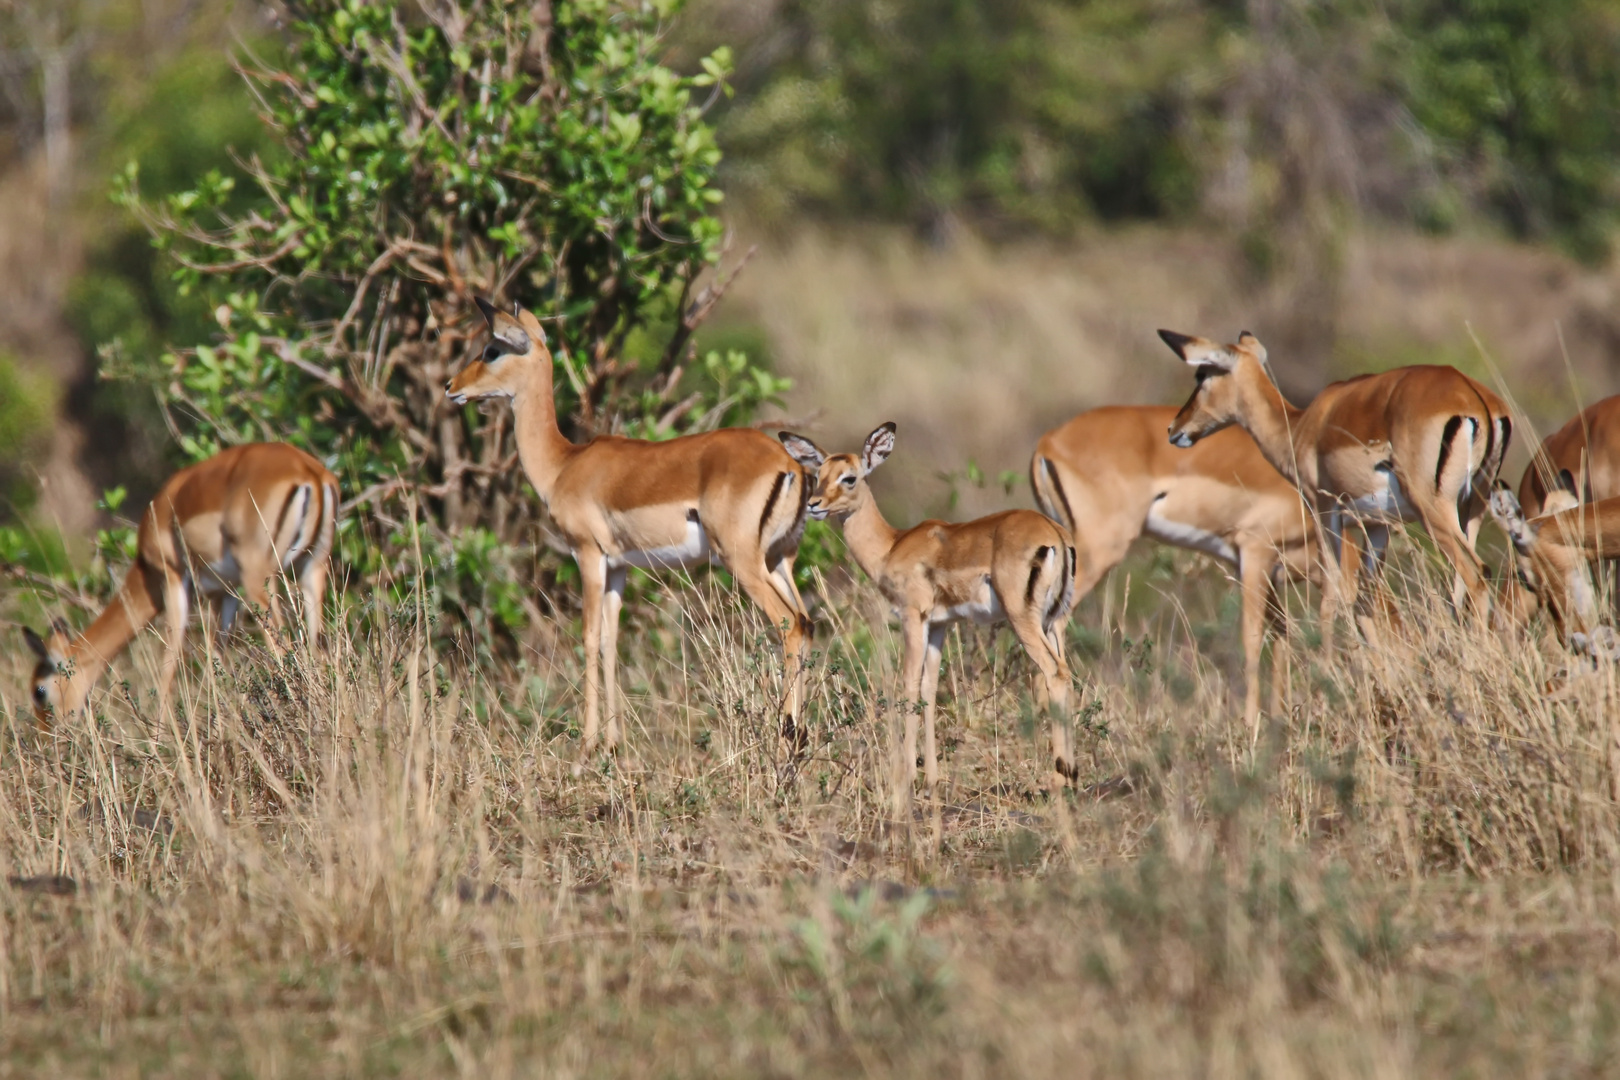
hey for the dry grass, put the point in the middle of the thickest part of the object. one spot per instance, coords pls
(379, 863)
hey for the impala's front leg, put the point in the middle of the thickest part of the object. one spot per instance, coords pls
(1254, 574)
(914, 631)
(612, 606)
(928, 691)
(593, 582)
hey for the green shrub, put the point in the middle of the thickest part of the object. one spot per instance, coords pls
(424, 157)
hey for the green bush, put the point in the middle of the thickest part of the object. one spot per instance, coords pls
(424, 157)
(27, 406)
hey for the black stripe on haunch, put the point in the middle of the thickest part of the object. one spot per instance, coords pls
(770, 501)
(1063, 496)
(1035, 573)
(1447, 437)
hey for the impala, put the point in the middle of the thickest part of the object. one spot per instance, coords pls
(1419, 443)
(733, 495)
(1016, 567)
(1552, 552)
(1109, 477)
(1582, 458)
(235, 521)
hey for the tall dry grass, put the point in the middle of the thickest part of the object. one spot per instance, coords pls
(376, 861)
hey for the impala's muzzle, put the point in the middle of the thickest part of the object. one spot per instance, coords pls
(457, 396)
(816, 509)
(1182, 439)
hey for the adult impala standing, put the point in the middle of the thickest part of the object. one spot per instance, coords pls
(1420, 443)
(732, 495)
(234, 521)
(1109, 476)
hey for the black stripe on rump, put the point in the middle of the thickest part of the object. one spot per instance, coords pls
(1063, 496)
(770, 501)
(1035, 573)
(1507, 438)
(1063, 587)
(1447, 437)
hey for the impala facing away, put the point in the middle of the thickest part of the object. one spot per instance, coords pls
(1581, 458)
(732, 495)
(1419, 443)
(1552, 552)
(1110, 476)
(235, 521)
(1016, 567)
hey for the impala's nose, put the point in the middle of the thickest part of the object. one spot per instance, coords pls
(1180, 438)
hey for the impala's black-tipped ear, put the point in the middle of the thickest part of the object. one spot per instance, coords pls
(36, 644)
(1197, 351)
(879, 445)
(60, 626)
(802, 450)
(517, 309)
(489, 310)
(1178, 342)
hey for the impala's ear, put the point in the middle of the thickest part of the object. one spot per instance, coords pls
(36, 644)
(1197, 351)
(60, 627)
(1566, 480)
(530, 324)
(489, 310)
(1252, 343)
(879, 445)
(802, 450)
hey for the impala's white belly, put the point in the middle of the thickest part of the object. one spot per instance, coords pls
(1183, 535)
(1387, 501)
(221, 575)
(985, 608)
(693, 550)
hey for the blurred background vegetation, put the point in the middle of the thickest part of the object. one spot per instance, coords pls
(1018, 190)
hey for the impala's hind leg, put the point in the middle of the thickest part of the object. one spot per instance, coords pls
(928, 691)
(1052, 682)
(783, 610)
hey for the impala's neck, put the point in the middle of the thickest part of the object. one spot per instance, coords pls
(1273, 422)
(870, 538)
(542, 447)
(90, 653)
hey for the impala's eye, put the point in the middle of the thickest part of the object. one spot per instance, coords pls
(848, 481)
(492, 353)
(41, 694)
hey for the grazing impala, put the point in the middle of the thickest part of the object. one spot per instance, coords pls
(1417, 443)
(232, 522)
(1581, 458)
(1016, 567)
(732, 495)
(1552, 552)
(1109, 476)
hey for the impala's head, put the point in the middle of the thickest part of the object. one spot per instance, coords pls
(1221, 370)
(840, 478)
(517, 347)
(50, 683)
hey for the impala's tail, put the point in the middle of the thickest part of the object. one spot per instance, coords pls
(1051, 579)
